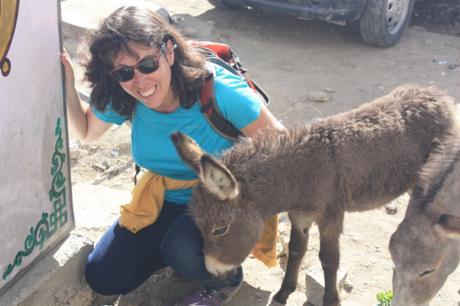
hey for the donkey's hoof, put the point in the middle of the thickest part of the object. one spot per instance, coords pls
(280, 298)
(331, 303)
(274, 303)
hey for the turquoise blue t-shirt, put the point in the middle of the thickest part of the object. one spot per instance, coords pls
(152, 147)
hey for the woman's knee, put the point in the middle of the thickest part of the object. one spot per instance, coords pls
(107, 280)
(111, 268)
(98, 280)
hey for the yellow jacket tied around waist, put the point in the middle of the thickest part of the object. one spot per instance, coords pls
(147, 201)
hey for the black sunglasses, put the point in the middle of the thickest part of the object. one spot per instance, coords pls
(147, 65)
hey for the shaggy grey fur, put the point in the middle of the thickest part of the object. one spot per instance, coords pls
(354, 161)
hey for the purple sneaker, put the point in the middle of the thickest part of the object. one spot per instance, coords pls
(210, 296)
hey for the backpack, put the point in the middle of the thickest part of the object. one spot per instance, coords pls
(222, 55)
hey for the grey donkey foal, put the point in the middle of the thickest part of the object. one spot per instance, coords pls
(426, 246)
(354, 161)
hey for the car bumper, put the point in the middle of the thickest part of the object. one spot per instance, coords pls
(327, 10)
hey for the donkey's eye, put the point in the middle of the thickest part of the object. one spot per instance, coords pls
(427, 272)
(221, 231)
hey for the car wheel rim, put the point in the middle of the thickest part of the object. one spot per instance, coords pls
(395, 14)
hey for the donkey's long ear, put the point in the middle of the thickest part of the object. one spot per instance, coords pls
(189, 150)
(218, 179)
(214, 175)
(450, 225)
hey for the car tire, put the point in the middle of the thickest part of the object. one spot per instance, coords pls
(383, 21)
(222, 4)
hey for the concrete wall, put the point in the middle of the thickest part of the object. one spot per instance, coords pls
(35, 207)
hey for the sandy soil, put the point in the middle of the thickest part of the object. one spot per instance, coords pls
(293, 59)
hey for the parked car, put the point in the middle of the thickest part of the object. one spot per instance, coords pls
(382, 22)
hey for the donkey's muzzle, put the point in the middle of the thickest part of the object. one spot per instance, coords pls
(219, 269)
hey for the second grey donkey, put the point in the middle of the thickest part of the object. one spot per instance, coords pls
(354, 161)
(426, 246)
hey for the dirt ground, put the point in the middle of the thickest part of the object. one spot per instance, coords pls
(294, 60)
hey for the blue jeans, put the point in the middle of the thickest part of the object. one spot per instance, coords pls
(121, 261)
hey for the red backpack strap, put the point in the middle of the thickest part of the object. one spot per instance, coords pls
(211, 112)
(220, 50)
(206, 94)
(222, 55)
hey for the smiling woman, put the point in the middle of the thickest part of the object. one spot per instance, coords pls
(146, 76)
(125, 39)
(143, 71)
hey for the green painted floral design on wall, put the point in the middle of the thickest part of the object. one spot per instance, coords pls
(49, 222)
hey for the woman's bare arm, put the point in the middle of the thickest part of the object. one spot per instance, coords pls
(82, 121)
(265, 120)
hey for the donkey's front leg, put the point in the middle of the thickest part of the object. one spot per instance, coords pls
(330, 229)
(300, 225)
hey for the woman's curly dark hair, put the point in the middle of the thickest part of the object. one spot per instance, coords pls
(140, 25)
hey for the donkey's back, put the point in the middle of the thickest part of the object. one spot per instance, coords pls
(377, 149)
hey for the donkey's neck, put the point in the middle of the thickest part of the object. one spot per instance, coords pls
(277, 171)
